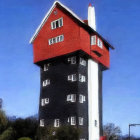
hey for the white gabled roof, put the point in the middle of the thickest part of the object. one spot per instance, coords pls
(47, 16)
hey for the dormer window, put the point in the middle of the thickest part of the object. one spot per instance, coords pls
(99, 43)
(93, 40)
(57, 23)
(57, 39)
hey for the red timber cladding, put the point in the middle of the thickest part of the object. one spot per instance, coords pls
(71, 43)
(86, 47)
(75, 38)
(103, 52)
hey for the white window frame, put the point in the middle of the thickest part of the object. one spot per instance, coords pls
(93, 40)
(53, 23)
(99, 43)
(56, 39)
(46, 67)
(56, 122)
(46, 82)
(73, 120)
(42, 124)
(83, 62)
(72, 77)
(82, 78)
(81, 121)
(44, 101)
(82, 98)
(72, 60)
(71, 98)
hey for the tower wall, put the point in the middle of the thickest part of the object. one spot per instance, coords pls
(60, 87)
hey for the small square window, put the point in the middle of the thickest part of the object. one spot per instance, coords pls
(42, 123)
(82, 98)
(93, 40)
(82, 78)
(82, 62)
(99, 43)
(56, 123)
(46, 82)
(44, 101)
(46, 67)
(71, 98)
(81, 121)
(72, 77)
(57, 23)
(73, 120)
(95, 123)
(72, 60)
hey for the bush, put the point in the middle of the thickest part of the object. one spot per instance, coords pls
(3, 121)
(24, 138)
(8, 134)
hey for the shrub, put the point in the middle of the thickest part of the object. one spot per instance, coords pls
(8, 134)
(24, 138)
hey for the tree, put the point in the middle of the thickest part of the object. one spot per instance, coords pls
(25, 127)
(61, 133)
(67, 133)
(3, 121)
(8, 134)
(111, 131)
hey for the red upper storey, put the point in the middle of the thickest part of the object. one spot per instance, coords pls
(62, 32)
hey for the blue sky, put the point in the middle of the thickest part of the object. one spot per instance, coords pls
(118, 21)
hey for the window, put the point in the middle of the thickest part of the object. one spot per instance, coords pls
(57, 23)
(57, 39)
(93, 40)
(71, 98)
(56, 123)
(44, 101)
(72, 77)
(95, 123)
(42, 123)
(99, 43)
(72, 60)
(82, 78)
(46, 82)
(81, 121)
(73, 120)
(82, 62)
(46, 67)
(82, 98)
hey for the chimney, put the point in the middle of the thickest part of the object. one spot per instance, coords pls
(91, 17)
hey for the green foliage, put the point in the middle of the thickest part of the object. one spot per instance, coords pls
(61, 133)
(67, 133)
(45, 133)
(25, 127)
(24, 138)
(3, 121)
(8, 134)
